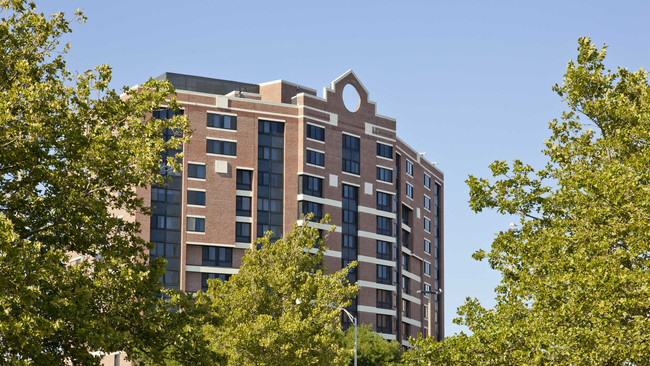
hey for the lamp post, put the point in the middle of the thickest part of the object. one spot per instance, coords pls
(434, 292)
(354, 321)
(352, 318)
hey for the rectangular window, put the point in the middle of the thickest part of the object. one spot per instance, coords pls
(406, 330)
(315, 158)
(351, 154)
(307, 207)
(406, 238)
(383, 274)
(406, 308)
(409, 168)
(384, 226)
(195, 198)
(196, 224)
(427, 268)
(384, 250)
(385, 151)
(211, 276)
(384, 175)
(427, 246)
(315, 132)
(242, 232)
(409, 190)
(406, 215)
(405, 262)
(427, 289)
(221, 147)
(427, 224)
(427, 181)
(427, 203)
(217, 256)
(384, 201)
(384, 299)
(243, 206)
(244, 179)
(312, 186)
(196, 171)
(222, 121)
(405, 285)
(384, 324)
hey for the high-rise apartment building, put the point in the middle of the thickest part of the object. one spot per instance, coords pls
(263, 154)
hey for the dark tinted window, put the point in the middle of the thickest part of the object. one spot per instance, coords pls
(217, 256)
(351, 154)
(222, 121)
(221, 147)
(315, 132)
(312, 186)
(196, 171)
(244, 179)
(384, 174)
(195, 198)
(384, 150)
(315, 157)
(243, 206)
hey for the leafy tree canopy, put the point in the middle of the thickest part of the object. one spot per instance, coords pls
(575, 286)
(372, 349)
(72, 152)
(283, 307)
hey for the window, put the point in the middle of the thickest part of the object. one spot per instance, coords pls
(384, 250)
(406, 238)
(211, 276)
(307, 207)
(383, 274)
(217, 256)
(196, 171)
(195, 198)
(244, 179)
(315, 132)
(312, 186)
(406, 330)
(165, 222)
(384, 201)
(243, 206)
(384, 175)
(427, 181)
(384, 299)
(427, 246)
(406, 308)
(427, 203)
(221, 147)
(384, 324)
(242, 232)
(351, 154)
(427, 268)
(222, 121)
(427, 224)
(315, 158)
(406, 215)
(405, 262)
(384, 150)
(427, 289)
(384, 226)
(165, 195)
(405, 284)
(409, 168)
(409, 190)
(196, 224)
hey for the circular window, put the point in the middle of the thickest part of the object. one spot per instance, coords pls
(351, 98)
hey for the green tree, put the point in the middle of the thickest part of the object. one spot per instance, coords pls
(372, 349)
(283, 307)
(575, 286)
(72, 152)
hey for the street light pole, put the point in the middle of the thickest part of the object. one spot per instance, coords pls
(354, 321)
(434, 292)
(352, 318)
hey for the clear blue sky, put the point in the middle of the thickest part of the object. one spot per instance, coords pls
(469, 82)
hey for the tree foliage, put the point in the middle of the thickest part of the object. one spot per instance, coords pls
(72, 152)
(283, 307)
(372, 349)
(575, 286)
